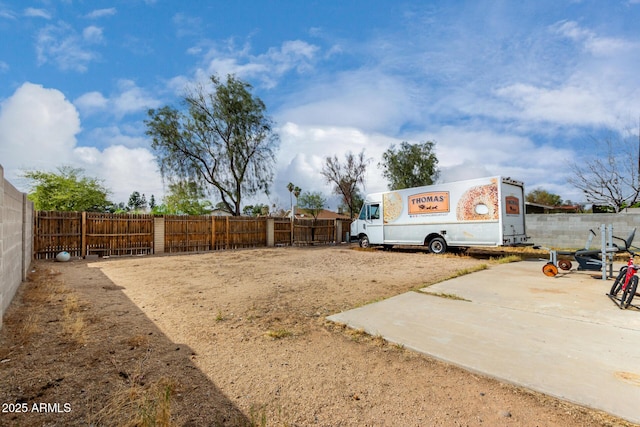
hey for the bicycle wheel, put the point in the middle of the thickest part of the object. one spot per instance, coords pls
(628, 294)
(617, 284)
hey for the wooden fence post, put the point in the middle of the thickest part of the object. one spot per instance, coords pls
(227, 231)
(83, 238)
(213, 232)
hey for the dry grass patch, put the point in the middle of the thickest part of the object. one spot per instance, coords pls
(444, 295)
(138, 405)
(277, 334)
(506, 259)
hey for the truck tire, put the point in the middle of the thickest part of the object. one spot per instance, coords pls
(437, 245)
(364, 241)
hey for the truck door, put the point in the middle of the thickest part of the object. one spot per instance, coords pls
(513, 226)
(373, 223)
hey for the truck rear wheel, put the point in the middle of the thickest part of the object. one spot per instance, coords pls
(364, 241)
(437, 245)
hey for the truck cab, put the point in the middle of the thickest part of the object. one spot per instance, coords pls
(368, 228)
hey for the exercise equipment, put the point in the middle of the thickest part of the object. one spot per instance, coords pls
(590, 259)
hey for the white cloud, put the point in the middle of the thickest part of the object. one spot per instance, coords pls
(128, 99)
(63, 46)
(595, 85)
(129, 170)
(100, 13)
(37, 13)
(268, 68)
(597, 45)
(39, 129)
(114, 135)
(132, 99)
(91, 102)
(365, 99)
(565, 105)
(7, 14)
(92, 34)
(187, 25)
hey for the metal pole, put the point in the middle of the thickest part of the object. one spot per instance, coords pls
(610, 255)
(603, 249)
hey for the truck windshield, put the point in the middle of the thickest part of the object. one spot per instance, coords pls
(363, 212)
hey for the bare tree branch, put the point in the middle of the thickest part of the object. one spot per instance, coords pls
(611, 179)
(345, 177)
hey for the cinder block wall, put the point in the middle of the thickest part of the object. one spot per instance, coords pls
(571, 230)
(16, 240)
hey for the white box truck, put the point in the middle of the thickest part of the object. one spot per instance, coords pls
(477, 212)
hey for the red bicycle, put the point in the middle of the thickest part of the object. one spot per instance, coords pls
(627, 282)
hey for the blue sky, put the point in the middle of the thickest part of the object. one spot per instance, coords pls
(503, 87)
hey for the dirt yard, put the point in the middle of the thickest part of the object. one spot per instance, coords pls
(239, 338)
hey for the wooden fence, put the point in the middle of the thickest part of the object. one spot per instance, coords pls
(82, 234)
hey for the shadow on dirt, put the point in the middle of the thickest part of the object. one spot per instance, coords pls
(74, 350)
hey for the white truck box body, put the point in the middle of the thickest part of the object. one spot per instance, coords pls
(478, 212)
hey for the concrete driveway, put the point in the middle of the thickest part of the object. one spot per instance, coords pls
(561, 336)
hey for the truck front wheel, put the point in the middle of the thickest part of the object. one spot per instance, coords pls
(364, 241)
(437, 245)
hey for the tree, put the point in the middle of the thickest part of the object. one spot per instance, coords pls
(185, 198)
(256, 210)
(137, 202)
(611, 178)
(224, 141)
(313, 203)
(345, 177)
(543, 197)
(411, 165)
(67, 190)
(222, 208)
(295, 191)
(358, 201)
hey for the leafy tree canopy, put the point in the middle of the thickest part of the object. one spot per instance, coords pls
(313, 203)
(410, 165)
(224, 141)
(67, 190)
(256, 210)
(137, 202)
(184, 198)
(543, 197)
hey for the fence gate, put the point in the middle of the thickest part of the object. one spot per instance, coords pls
(187, 233)
(87, 233)
(55, 232)
(117, 234)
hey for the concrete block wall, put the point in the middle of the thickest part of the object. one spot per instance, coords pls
(570, 231)
(16, 240)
